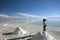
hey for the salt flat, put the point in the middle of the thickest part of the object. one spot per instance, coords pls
(30, 28)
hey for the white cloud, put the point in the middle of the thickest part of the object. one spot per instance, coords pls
(25, 14)
(30, 17)
(2, 15)
(54, 16)
(38, 18)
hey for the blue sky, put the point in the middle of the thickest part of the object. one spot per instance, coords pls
(35, 7)
(30, 10)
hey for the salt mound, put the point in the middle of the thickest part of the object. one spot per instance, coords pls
(43, 36)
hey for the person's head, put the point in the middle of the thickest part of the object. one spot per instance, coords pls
(44, 19)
